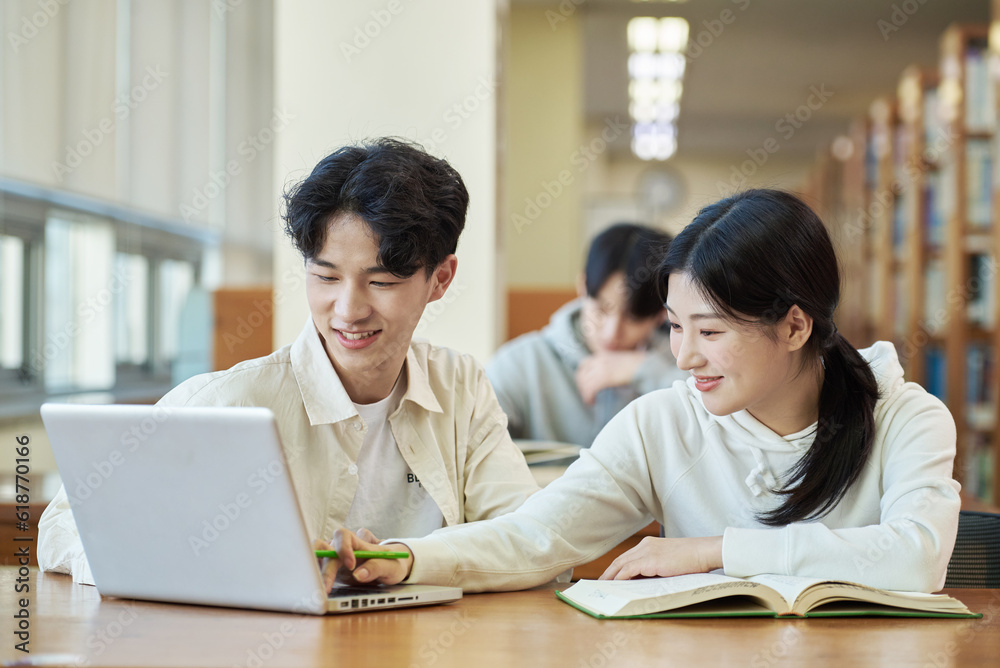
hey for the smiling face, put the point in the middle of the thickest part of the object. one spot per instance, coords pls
(738, 366)
(364, 314)
(606, 322)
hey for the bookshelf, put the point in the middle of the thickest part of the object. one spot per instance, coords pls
(967, 114)
(918, 239)
(921, 348)
(855, 243)
(986, 461)
(885, 303)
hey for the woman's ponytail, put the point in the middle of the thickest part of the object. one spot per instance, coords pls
(844, 436)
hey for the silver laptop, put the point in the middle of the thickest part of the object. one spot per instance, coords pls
(196, 505)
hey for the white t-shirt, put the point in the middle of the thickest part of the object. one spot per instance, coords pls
(386, 481)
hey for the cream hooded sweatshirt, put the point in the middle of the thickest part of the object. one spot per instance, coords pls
(665, 457)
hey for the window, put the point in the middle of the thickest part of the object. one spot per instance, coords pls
(132, 310)
(91, 297)
(176, 280)
(80, 288)
(11, 302)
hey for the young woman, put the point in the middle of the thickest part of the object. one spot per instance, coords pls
(787, 451)
(598, 352)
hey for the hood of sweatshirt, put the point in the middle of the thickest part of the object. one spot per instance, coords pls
(563, 333)
(784, 451)
(565, 336)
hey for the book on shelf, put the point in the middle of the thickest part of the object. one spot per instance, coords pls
(980, 307)
(934, 297)
(936, 365)
(934, 218)
(901, 306)
(934, 126)
(899, 221)
(901, 141)
(713, 595)
(980, 115)
(948, 187)
(874, 299)
(979, 373)
(978, 479)
(979, 182)
(871, 166)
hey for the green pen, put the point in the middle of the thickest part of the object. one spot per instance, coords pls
(365, 554)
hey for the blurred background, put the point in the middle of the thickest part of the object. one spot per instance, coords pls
(145, 146)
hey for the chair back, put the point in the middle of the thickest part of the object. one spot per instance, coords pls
(975, 563)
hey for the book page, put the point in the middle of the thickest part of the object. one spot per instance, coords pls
(804, 594)
(790, 587)
(648, 595)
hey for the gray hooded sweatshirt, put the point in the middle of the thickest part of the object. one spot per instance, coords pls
(534, 379)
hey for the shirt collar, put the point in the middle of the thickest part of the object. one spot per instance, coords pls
(325, 399)
(418, 387)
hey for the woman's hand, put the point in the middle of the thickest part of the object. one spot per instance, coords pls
(347, 568)
(664, 557)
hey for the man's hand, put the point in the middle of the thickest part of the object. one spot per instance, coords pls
(606, 369)
(664, 557)
(346, 568)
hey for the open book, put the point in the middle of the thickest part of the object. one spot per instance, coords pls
(712, 595)
(543, 452)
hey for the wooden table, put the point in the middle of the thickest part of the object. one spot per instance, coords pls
(529, 628)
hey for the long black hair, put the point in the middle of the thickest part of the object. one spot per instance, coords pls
(754, 255)
(633, 250)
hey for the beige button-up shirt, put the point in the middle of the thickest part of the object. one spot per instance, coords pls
(449, 428)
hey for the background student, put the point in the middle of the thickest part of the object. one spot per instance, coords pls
(787, 451)
(380, 433)
(598, 352)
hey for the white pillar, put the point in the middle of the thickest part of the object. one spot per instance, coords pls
(421, 70)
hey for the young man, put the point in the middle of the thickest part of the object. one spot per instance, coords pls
(598, 352)
(381, 434)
